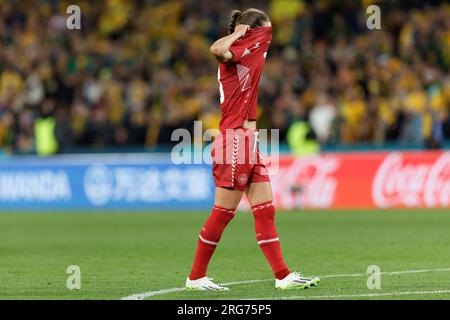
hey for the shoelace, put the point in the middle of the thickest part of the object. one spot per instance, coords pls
(216, 286)
(299, 274)
(210, 280)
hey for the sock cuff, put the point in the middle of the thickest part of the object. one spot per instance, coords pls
(224, 210)
(262, 206)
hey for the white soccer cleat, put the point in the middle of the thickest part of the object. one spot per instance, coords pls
(294, 280)
(203, 284)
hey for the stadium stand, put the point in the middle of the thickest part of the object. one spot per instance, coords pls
(137, 70)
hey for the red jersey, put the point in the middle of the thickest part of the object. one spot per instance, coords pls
(239, 78)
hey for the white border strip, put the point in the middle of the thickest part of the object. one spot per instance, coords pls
(268, 241)
(141, 296)
(207, 241)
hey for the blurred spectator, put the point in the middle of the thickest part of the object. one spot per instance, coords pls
(45, 130)
(322, 116)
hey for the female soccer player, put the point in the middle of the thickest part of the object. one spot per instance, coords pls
(237, 164)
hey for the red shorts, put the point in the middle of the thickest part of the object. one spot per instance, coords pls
(236, 159)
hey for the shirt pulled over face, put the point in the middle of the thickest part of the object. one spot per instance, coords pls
(239, 78)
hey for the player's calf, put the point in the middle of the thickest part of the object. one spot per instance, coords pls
(208, 240)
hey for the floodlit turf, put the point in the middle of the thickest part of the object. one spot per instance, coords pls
(123, 254)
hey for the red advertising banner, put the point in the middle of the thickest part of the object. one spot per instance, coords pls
(363, 180)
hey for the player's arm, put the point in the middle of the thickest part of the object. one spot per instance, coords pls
(221, 48)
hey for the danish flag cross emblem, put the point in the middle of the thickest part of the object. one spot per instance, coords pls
(244, 77)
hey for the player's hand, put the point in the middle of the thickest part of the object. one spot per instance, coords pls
(241, 29)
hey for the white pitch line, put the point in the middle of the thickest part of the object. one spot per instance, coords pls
(417, 271)
(141, 296)
(245, 282)
(345, 275)
(366, 295)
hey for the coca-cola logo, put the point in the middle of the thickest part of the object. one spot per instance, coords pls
(306, 182)
(398, 183)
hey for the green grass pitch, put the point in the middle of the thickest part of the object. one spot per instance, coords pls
(121, 254)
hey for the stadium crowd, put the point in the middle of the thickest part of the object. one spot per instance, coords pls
(137, 70)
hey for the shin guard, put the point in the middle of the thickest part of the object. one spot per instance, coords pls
(267, 238)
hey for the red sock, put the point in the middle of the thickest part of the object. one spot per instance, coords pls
(267, 237)
(208, 239)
